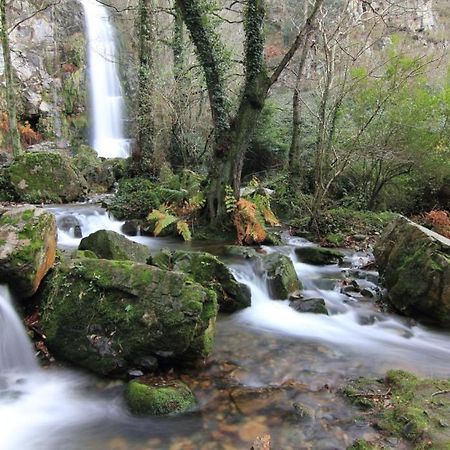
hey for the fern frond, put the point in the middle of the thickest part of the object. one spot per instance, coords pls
(183, 230)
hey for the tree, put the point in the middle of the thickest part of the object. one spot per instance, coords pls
(233, 130)
(13, 133)
(146, 119)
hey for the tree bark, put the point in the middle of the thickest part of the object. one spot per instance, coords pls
(13, 133)
(146, 114)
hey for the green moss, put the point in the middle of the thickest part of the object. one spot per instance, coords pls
(407, 407)
(362, 444)
(174, 397)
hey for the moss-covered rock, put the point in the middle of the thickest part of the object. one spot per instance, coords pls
(318, 255)
(414, 263)
(108, 244)
(281, 277)
(414, 410)
(107, 316)
(209, 271)
(27, 247)
(310, 305)
(46, 178)
(159, 398)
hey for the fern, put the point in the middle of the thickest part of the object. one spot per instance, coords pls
(230, 199)
(183, 230)
(248, 225)
(163, 218)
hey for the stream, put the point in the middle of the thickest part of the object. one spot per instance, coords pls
(266, 345)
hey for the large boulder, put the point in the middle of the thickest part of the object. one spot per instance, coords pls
(110, 316)
(108, 244)
(27, 247)
(414, 263)
(159, 398)
(281, 277)
(46, 178)
(209, 271)
(318, 255)
(100, 173)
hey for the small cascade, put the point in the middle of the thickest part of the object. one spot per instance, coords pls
(16, 354)
(107, 103)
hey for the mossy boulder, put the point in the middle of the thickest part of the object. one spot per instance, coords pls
(44, 177)
(108, 244)
(159, 398)
(281, 277)
(318, 255)
(414, 264)
(27, 247)
(100, 173)
(109, 316)
(413, 410)
(209, 271)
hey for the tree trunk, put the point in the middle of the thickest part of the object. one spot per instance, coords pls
(146, 114)
(13, 133)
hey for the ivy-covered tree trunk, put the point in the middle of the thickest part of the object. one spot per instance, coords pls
(233, 133)
(146, 121)
(13, 133)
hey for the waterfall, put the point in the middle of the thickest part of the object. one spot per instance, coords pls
(107, 103)
(16, 352)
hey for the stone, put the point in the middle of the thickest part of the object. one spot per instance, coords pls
(209, 271)
(318, 255)
(310, 305)
(98, 173)
(281, 277)
(108, 316)
(414, 264)
(27, 247)
(131, 227)
(108, 244)
(158, 398)
(46, 178)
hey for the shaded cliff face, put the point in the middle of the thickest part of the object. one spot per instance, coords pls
(49, 61)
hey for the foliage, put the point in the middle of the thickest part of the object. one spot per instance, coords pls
(250, 213)
(28, 136)
(164, 217)
(438, 221)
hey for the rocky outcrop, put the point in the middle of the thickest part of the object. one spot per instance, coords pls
(112, 316)
(318, 255)
(159, 398)
(46, 178)
(209, 271)
(27, 247)
(281, 277)
(310, 305)
(108, 244)
(414, 263)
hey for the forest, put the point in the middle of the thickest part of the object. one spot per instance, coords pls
(224, 224)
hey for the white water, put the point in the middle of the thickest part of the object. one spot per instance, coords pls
(16, 354)
(105, 89)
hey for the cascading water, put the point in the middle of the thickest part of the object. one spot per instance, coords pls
(16, 354)
(105, 89)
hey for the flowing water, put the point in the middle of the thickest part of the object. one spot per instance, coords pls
(266, 345)
(106, 99)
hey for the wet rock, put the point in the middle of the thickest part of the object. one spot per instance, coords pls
(27, 247)
(135, 374)
(414, 264)
(262, 443)
(281, 277)
(242, 251)
(159, 398)
(310, 305)
(131, 227)
(318, 255)
(67, 223)
(106, 315)
(111, 245)
(209, 271)
(273, 238)
(46, 178)
(98, 172)
(77, 232)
